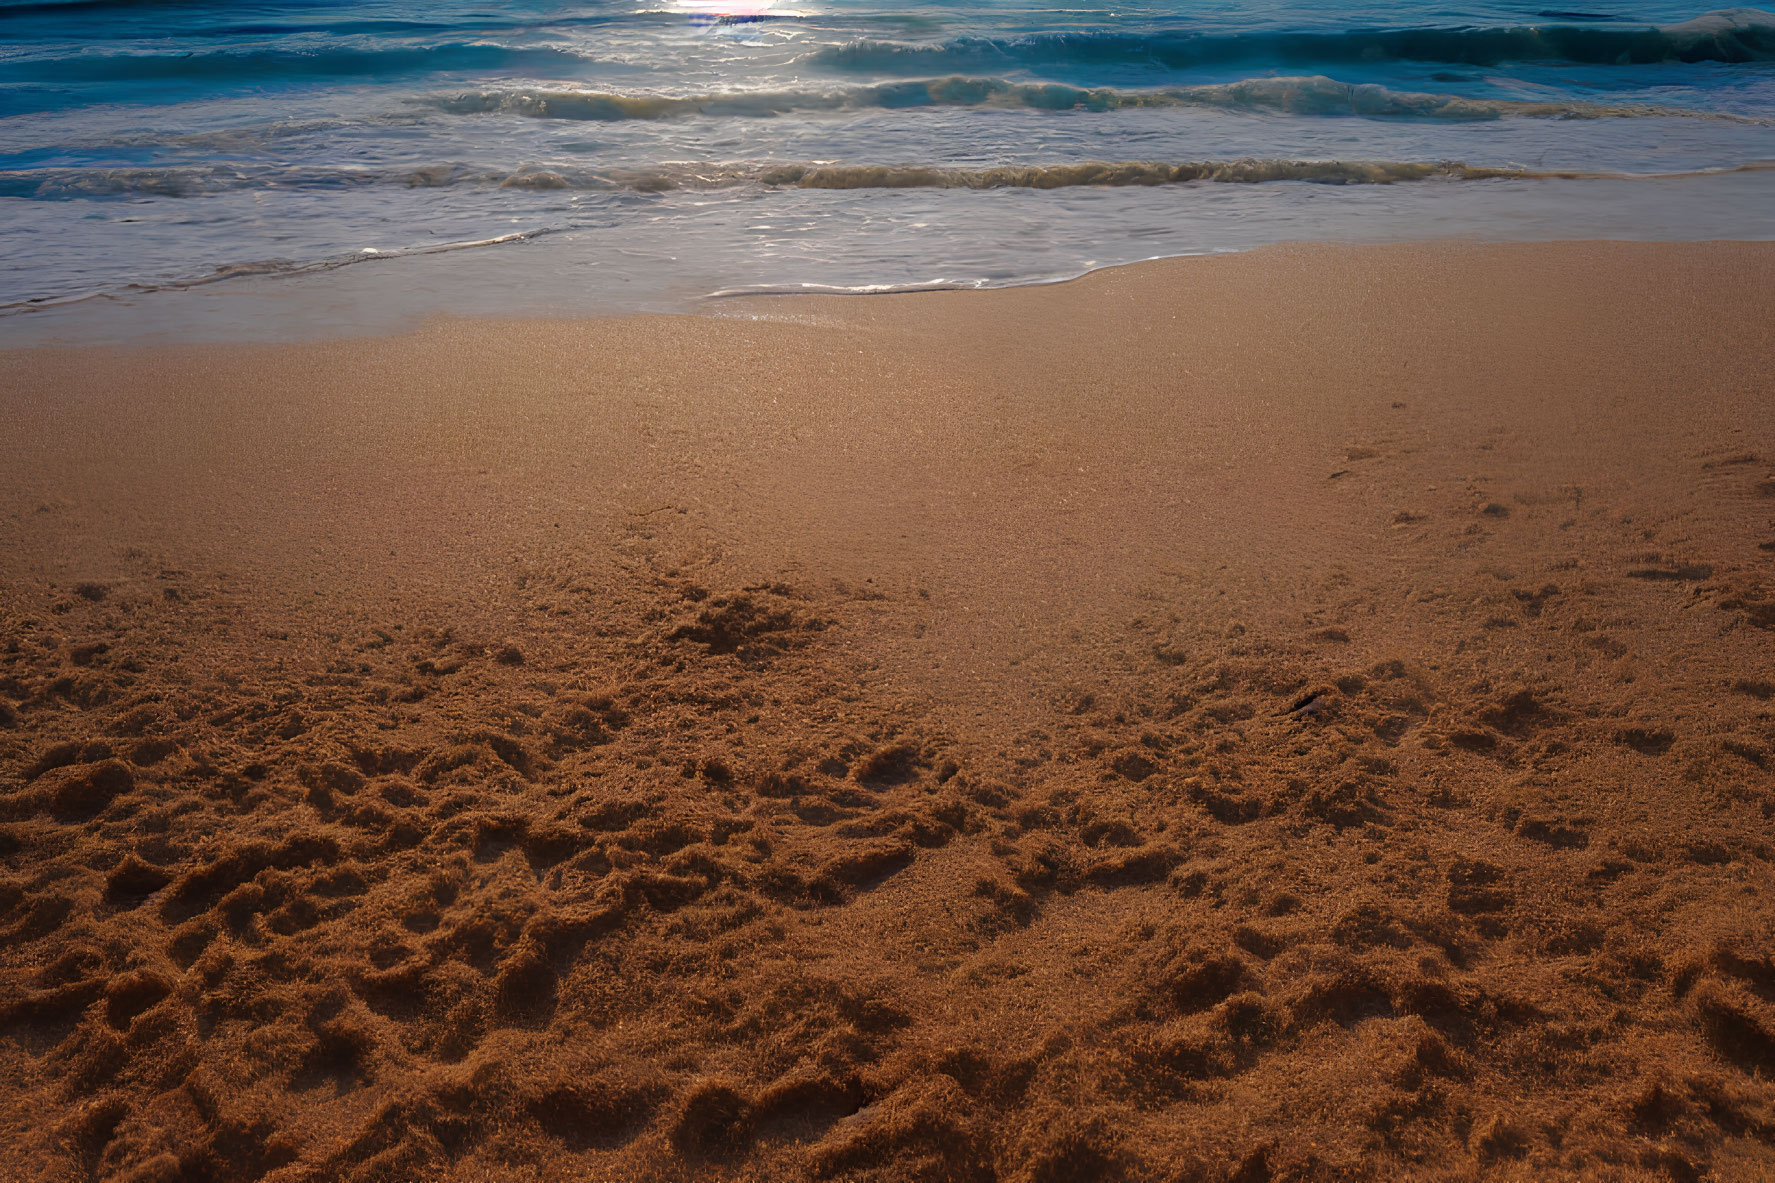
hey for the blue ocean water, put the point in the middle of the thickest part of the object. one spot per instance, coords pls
(612, 154)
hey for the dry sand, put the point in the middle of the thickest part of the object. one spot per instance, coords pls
(1302, 715)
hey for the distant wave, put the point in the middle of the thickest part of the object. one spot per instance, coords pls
(1730, 35)
(1315, 95)
(480, 23)
(10, 8)
(49, 184)
(263, 66)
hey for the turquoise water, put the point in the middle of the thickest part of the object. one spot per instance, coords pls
(597, 156)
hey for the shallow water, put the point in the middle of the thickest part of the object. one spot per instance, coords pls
(200, 163)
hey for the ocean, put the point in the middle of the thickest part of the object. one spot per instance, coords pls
(275, 167)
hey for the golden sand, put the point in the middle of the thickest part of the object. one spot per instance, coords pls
(1299, 715)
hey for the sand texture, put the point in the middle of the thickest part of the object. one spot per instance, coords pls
(1307, 715)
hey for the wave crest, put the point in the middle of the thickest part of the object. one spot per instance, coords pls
(1313, 95)
(51, 184)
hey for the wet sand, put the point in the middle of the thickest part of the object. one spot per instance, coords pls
(1298, 715)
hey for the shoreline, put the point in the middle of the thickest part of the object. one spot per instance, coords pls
(274, 302)
(1301, 712)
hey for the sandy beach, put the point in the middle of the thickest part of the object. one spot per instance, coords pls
(1298, 715)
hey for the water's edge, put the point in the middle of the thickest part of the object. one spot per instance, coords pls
(281, 311)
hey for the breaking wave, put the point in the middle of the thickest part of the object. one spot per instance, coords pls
(1125, 173)
(49, 184)
(1314, 95)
